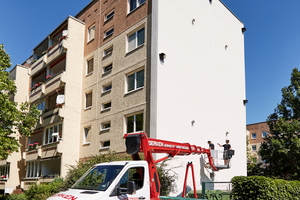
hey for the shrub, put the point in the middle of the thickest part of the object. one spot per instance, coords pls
(259, 187)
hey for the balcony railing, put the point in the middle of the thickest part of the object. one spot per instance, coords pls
(48, 86)
(50, 54)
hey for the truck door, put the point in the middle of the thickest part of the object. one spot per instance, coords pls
(137, 175)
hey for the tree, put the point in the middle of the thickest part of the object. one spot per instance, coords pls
(281, 148)
(13, 117)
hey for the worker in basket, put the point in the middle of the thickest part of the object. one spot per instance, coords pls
(226, 146)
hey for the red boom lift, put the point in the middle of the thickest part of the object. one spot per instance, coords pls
(139, 142)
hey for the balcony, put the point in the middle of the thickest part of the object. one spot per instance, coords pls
(44, 87)
(51, 116)
(44, 55)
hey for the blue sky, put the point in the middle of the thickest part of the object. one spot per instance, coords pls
(272, 41)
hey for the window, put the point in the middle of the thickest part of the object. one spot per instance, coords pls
(41, 106)
(107, 88)
(135, 80)
(33, 169)
(53, 133)
(106, 106)
(91, 33)
(105, 145)
(253, 147)
(4, 172)
(108, 51)
(264, 134)
(108, 68)
(253, 136)
(88, 100)
(105, 126)
(90, 66)
(109, 32)
(136, 39)
(136, 175)
(109, 15)
(85, 136)
(135, 123)
(133, 4)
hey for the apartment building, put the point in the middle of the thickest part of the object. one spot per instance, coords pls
(174, 70)
(256, 133)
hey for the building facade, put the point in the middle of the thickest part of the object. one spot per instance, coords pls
(129, 66)
(256, 133)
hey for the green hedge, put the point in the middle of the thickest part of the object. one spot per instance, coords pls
(259, 187)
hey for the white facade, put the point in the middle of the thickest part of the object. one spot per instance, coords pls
(201, 80)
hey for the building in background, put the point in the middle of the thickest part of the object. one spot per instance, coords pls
(129, 66)
(256, 133)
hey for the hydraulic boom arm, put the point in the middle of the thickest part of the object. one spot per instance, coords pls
(139, 142)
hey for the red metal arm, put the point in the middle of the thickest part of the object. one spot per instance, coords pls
(150, 145)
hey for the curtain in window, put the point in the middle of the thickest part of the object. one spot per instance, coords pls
(131, 42)
(90, 66)
(130, 82)
(141, 36)
(140, 79)
(88, 100)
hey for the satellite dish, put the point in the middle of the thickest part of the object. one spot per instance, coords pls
(60, 99)
(28, 61)
(65, 33)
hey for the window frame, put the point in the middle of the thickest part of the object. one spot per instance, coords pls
(33, 169)
(138, 4)
(107, 34)
(135, 80)
(85, 102)
(103, 105)
(106, 18)
(49, 136)
(135, 32)
(85, 134)
(5, 171)
(87, 66)
(262, 134)
(254, 147)
(102, 144)
(106, 52)
(104, 123)
(253, 138)
(109, 65)
(93, 27)
(134, 122)
(106, 90)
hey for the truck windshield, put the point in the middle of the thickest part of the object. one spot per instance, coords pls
(98, 177)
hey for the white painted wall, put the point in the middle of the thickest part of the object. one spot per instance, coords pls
(200, 80)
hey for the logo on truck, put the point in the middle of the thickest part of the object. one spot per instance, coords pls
(65, 196)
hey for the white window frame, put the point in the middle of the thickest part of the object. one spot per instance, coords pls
(33, 169)
(108, 18)
(252, 147)
(86, 133)
(106, 90)
(103, 124)
(134, 122)
(135, 81)
(102, 144)
(262, 134)
(107, 34)
(85, 100)
(108, 70)
(136, 39)
(89, 32)
(106, 52)
(5, 171)
(50, 136)
(138, 4)
(108, 108)
(253, 138)
(87, 66)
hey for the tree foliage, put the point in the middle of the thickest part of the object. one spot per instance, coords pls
(281, 148)
(13, 117)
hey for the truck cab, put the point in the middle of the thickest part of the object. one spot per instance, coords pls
(112, 180)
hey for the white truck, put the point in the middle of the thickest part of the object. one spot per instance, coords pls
(130, 180)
